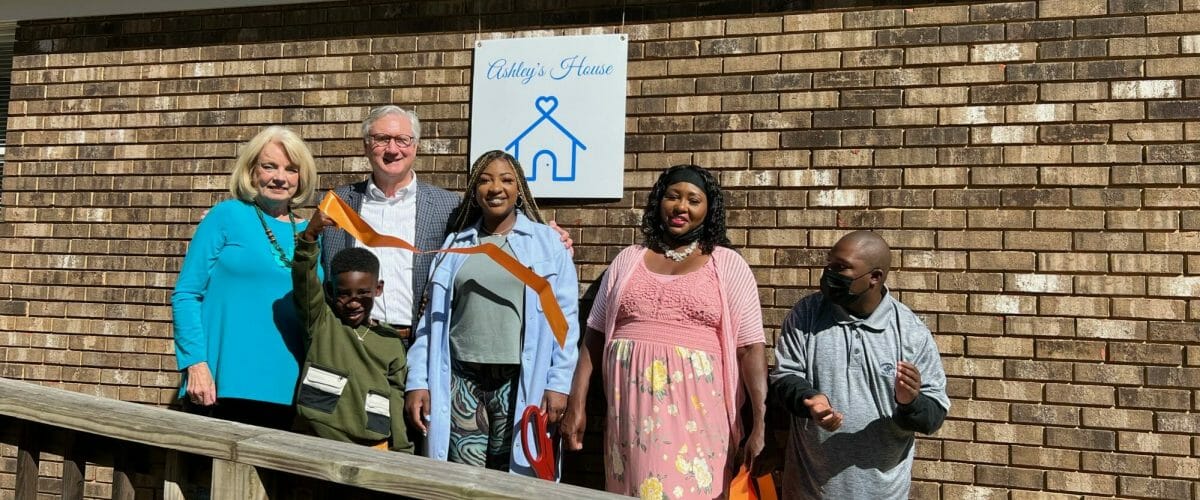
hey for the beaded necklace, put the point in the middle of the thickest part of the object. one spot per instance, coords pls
(680, 255)
(280, 256)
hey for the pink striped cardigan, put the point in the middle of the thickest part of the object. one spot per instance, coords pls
(741, 314)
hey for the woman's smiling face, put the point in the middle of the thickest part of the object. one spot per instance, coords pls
(496, 190)
(275, 176)
(684, 206)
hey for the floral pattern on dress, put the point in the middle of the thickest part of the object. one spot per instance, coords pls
(651, 489)
(616, 465)
(672, 447)
(702, 365)
(667, 434)
(655, 379)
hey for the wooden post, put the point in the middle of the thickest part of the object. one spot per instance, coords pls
(236, 481)
(28, 453)
(173, 476)
(122, 487)
(73, 467)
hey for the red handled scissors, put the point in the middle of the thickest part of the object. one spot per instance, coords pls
(544, 464)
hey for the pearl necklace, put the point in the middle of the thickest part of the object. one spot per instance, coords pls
(680, 255)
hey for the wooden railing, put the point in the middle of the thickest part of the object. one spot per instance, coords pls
(238, 461)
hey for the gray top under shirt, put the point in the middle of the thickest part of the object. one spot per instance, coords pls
(853, 362)
(489, 302)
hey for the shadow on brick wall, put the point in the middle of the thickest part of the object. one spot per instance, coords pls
(366, 18)
(586, 467)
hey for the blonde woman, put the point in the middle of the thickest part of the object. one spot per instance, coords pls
(237, 336)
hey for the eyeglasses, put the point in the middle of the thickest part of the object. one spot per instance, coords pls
(382, 140)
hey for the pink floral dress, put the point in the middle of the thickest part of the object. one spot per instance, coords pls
(668, 433)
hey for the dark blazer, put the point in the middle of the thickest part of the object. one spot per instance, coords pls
(434, 205)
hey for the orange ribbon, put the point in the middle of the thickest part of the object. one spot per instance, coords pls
(746, 487)
(347, 219)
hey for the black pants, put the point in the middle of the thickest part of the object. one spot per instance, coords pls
(246, 411)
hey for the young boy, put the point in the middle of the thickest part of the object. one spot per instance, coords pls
(352, 385)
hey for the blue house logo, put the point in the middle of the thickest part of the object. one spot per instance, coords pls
(550, 145)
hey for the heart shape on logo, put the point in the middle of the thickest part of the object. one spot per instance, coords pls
(546, 104)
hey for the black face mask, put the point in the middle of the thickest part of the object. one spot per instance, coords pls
(684, 238)
(836, 288)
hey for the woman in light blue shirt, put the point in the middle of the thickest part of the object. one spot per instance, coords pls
(483, 349)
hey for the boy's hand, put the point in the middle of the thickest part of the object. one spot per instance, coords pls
(316, 224)
(416, 407)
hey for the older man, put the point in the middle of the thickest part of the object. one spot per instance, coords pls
(860, 374)
(394, 202)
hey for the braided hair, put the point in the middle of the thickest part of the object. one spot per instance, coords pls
(653, 229)
(468, 210)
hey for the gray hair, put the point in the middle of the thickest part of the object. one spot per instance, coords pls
(391, 109)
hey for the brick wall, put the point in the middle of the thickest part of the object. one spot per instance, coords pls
(1032, 164)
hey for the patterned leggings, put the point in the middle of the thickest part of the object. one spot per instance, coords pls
(482, 397)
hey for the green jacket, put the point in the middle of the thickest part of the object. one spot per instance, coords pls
(352, 385)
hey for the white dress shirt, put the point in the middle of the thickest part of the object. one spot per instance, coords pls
(394, 216)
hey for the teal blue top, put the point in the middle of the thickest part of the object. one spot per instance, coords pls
(233, 306)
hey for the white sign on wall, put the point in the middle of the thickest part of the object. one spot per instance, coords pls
(558, 105)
